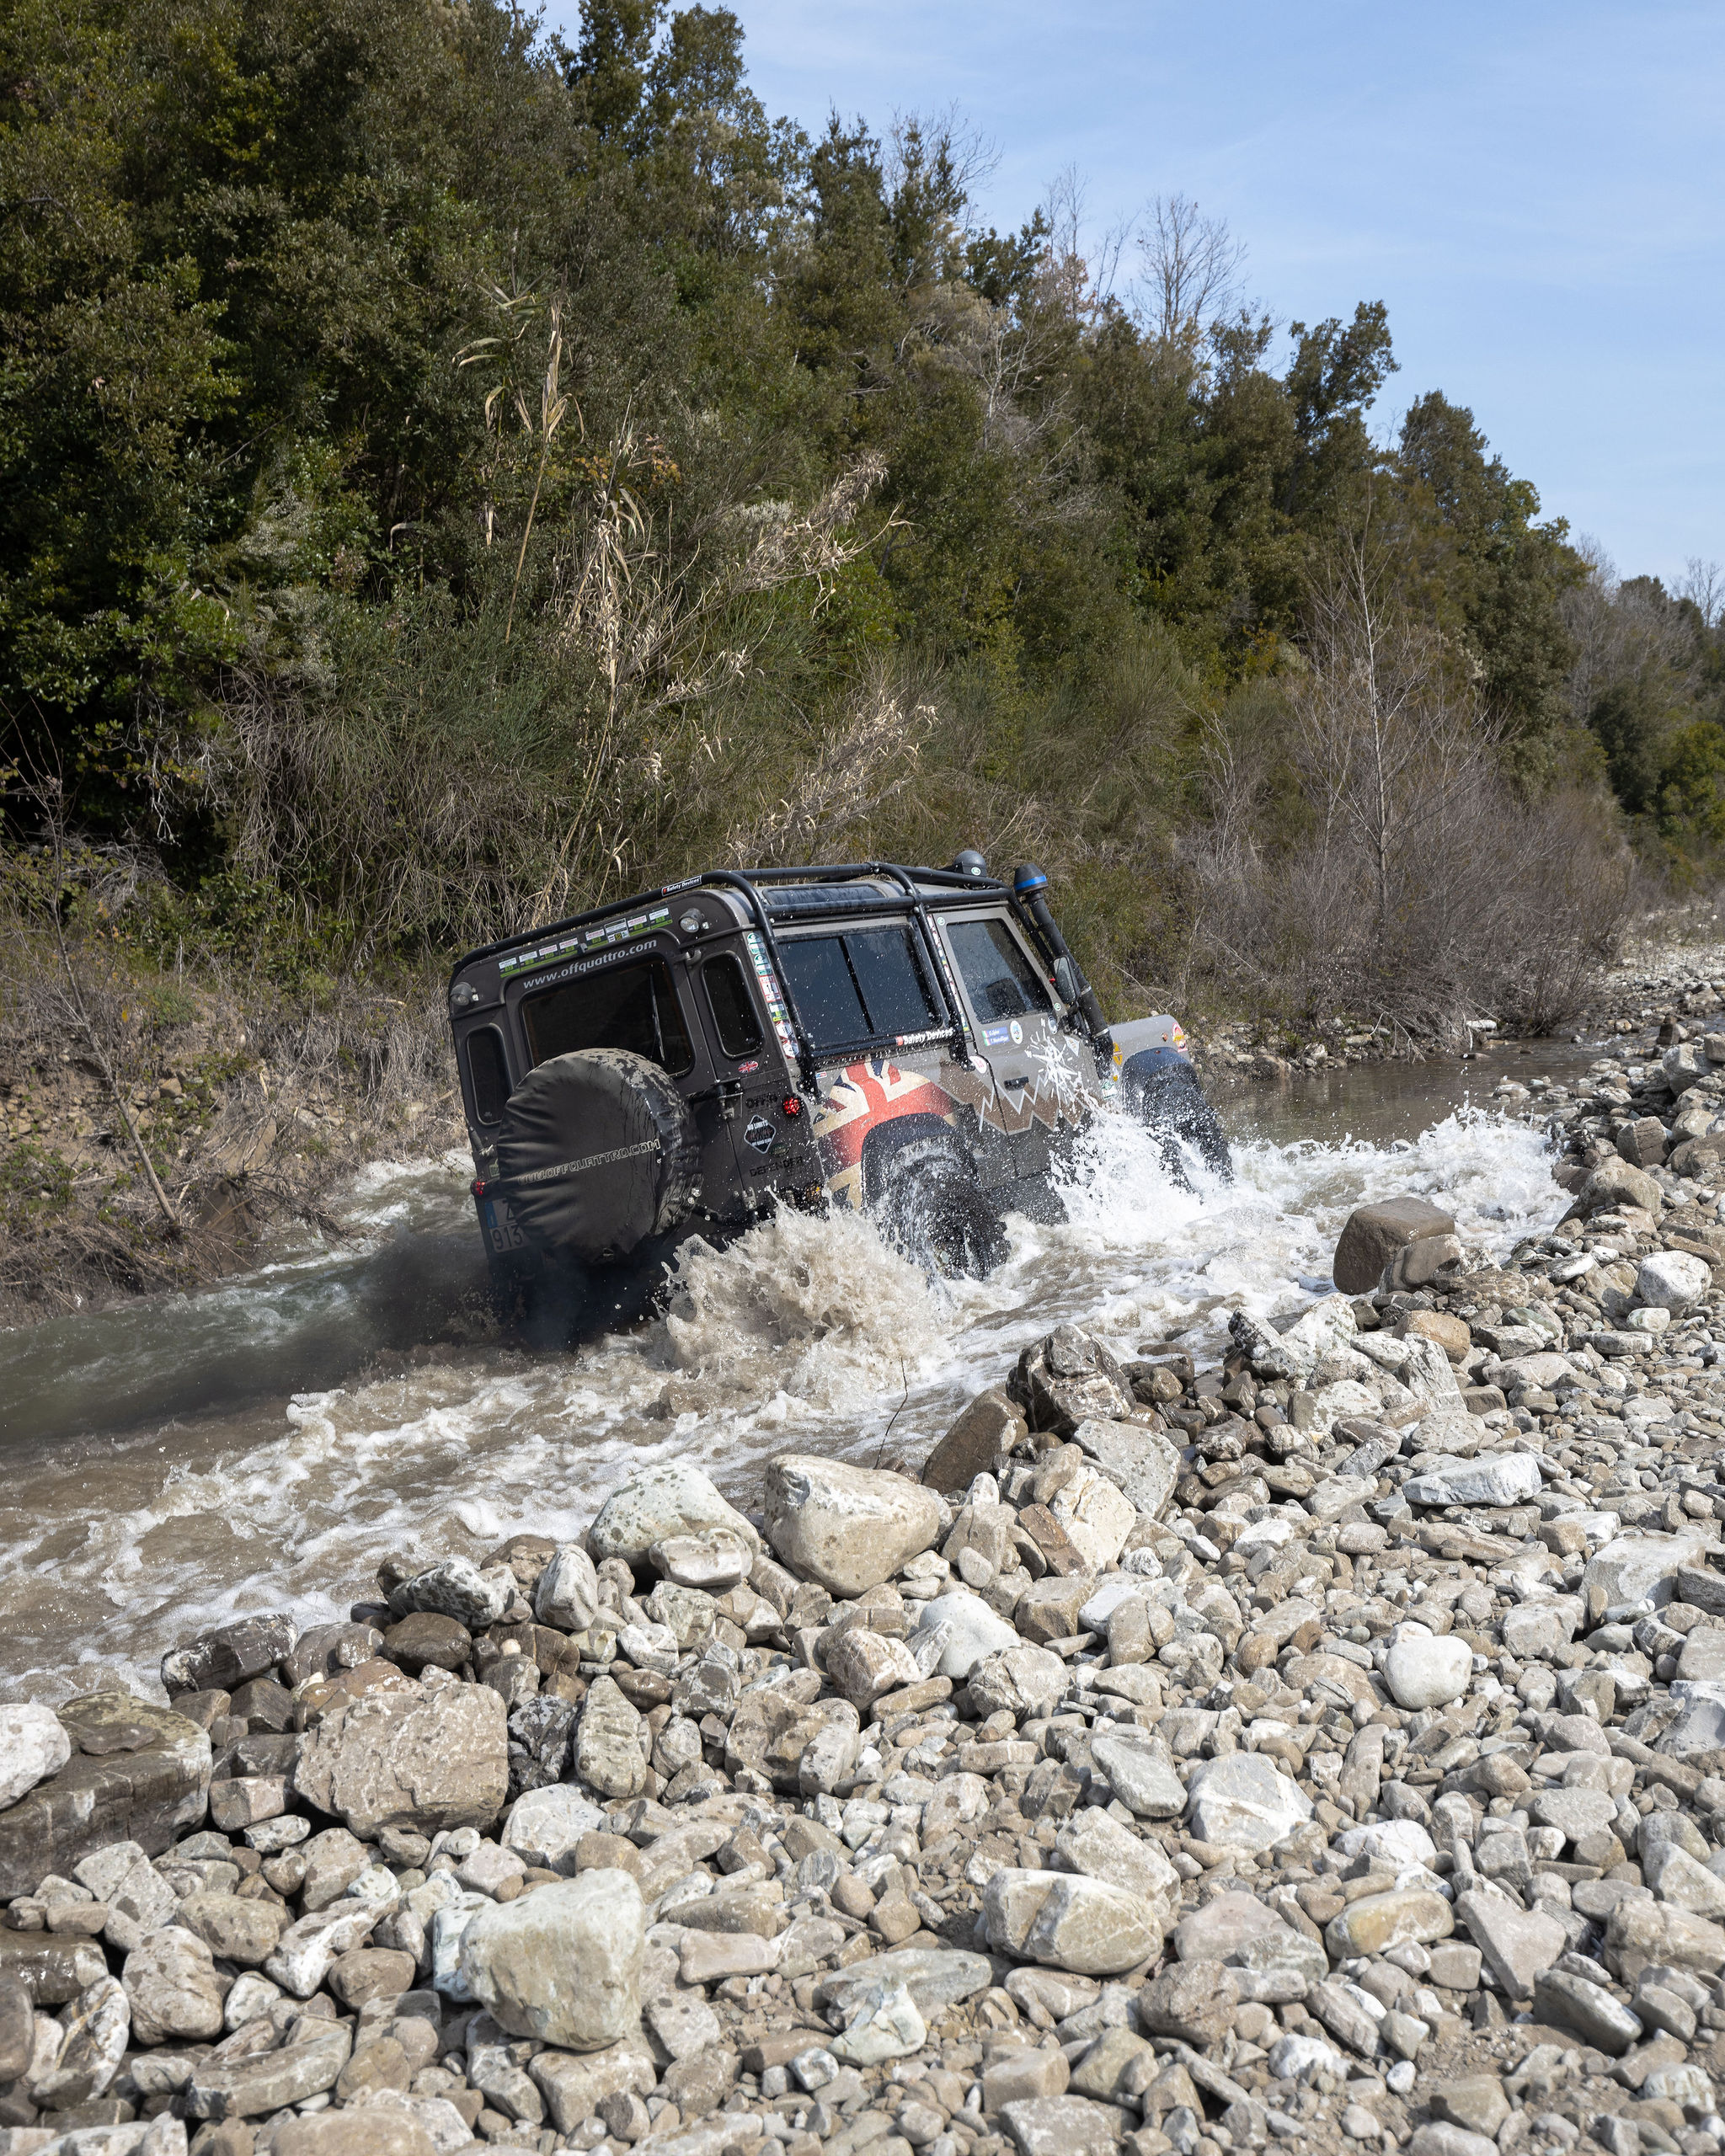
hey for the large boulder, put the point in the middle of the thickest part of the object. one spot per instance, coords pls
(141, 1773)
(1640, 1566)
(672, 1499)
(1143, 1465)
(849, 1527)
(1069, 1378)
(562, 1964)
(174, 1988)
(1375, 1233)
(424, 1759)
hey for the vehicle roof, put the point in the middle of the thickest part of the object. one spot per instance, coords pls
(786, 895)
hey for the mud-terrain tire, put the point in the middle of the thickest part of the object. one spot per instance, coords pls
(597, 1154)
(942, 1219)
(1171, 1102)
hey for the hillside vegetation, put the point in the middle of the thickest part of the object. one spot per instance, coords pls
(448, 478)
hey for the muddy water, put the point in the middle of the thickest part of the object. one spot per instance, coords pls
(263, 1445)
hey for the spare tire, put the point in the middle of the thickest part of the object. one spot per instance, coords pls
(597, 1154)
(1163, 1088)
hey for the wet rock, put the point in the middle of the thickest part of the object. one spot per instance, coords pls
(982, 1436)
(669, 1499)
(454, 1586)
(141, 1773)
(562, 1964)
(1069, 1378)
(848, 1528)
(227, 1656)
(1375, 1233)
(175, 1992)
(33, 1746)
(1240, 1802)
(427, 1760)
(1422, 1671)
(427, 1639)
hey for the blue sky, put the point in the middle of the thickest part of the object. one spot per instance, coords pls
(1536, 190)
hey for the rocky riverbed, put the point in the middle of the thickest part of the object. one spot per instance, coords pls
(1319, 1748)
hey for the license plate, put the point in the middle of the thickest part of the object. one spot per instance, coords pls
(500, 1230)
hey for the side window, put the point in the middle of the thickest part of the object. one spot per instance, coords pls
(1000, 981)
(864, 984)
(488, 1075)
(632, 1006)
(732, 1005)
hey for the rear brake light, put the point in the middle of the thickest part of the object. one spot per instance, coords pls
(791, 1105)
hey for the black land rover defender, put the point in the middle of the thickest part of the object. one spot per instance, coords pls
(916, 1041)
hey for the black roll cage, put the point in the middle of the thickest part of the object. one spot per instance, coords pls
(910, 901)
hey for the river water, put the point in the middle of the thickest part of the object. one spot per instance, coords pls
(263, 1445)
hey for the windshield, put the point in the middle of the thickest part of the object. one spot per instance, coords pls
(862, 985)
(1000, 981)
(630, 1006)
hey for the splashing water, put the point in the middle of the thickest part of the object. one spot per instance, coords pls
(808, 1331)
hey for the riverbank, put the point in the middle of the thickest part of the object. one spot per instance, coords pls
(1311, 1743)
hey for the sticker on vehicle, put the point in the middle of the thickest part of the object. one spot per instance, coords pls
(760, 1134)
(1017, 1031)
(996, 1036)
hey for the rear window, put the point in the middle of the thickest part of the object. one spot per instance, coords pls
(862, 984)
(488, 1075)
(1000, 981)
(732, 1007)
(632, 1006)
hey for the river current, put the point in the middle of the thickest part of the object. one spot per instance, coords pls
(264, 1444)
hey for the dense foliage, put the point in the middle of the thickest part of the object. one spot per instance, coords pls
(446, 475)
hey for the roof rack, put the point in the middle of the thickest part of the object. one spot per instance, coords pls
(746, 884)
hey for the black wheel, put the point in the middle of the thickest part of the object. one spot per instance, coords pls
(941, 1221)
(1171, 1102)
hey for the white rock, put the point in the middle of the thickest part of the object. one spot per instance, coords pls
(1327, 1325)
(1240, 1802)
(977, 1632)
(1497, 1478)
(1304, 2058)
(567, 1594)
(849, 1527)
(884, 2024)
(1674, 1280)
(1096, 1515)
(545, 1824)
(1398, 1841)
(1110, 1594)
(562, 1964)
(1092, 1928)
(1640, 1567)
(713, 1561)
(32, 1747)
(1025, 1679)
(1425, 1671)
(1426, 1373)
(669, 1499)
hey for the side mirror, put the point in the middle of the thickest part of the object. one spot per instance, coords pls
(1066, 980)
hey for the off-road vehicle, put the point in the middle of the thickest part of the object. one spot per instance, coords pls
(917, 1042)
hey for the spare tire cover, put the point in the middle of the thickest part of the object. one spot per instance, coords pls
(598, 1150)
